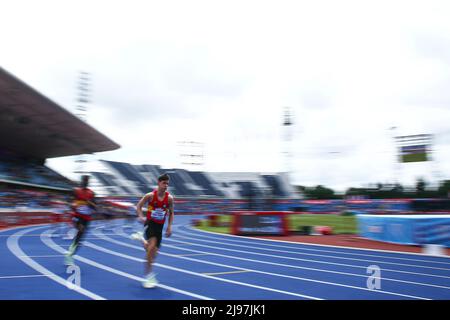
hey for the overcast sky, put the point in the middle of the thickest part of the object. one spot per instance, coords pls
(221, 72)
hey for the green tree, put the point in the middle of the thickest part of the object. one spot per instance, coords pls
(420, 185)
(320, 192)
(444, 189)
(420, 188)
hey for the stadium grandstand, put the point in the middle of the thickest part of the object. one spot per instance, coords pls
(32, 129)
(119, 178)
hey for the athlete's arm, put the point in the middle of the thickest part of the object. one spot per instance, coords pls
(74, 198)
(171, 214)
(144, 199)
(92, 203)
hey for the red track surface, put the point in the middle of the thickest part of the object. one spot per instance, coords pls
(352, 241)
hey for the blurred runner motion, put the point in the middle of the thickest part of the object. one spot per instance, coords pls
(160, 203)
(83, 207)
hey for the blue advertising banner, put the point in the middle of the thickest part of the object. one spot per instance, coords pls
(406, 229)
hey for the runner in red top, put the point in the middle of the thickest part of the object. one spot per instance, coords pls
(83, 207)
(160, 205)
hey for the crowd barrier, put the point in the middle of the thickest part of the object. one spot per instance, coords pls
(10, 218)
(14, 219)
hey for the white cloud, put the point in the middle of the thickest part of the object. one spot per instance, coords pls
(221, 73)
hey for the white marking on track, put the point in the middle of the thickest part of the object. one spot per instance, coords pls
(25, 276)
(199, 274)
(300, 259)
(13, 246)
(50, 243)
(319, 255)
(310, 244)
(252, 270)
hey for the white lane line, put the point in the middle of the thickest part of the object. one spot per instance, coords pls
(252, 270)
(86, 238)
(125, 256)
(295, 267)
(106, 238)
(173, 238)
(47, 256)
(24, 236)
(21, 227)
(311, 244)
(26, 276)
(194, 254)
(311, 254)
(306, 268)
(297, 278)
(118, 232)
(300, 245)
(222, 273)
(13, 246)
(51, 244)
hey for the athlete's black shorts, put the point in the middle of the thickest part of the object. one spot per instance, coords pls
(80, 221)
(153, 229)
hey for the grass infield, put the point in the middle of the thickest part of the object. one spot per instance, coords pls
(341, 224)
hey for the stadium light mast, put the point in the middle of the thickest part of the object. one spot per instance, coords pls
(83, 99)
(83, 95)
(191, 154)
(287, 138)
(436, 170)
(397, 167)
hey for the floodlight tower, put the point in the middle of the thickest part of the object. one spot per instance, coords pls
(287, 140)
(83, 95)
(83, 99)
(191, 154)
(397, 163)
(436, 172)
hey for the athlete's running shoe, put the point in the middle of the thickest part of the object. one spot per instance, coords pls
(150, 282)
(68, 260)
(138, 236)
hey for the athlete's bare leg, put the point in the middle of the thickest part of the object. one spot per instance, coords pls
(75, 243)
(151, 251)
(74, 247)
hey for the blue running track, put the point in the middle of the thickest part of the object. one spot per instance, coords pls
(198, 265)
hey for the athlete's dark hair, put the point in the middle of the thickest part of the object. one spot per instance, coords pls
(84, 180)
(163, 177)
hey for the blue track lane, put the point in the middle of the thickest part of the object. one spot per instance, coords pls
(195, 265)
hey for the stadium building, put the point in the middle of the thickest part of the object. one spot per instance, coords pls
(32, 129)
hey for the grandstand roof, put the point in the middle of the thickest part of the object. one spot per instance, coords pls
(33, 125)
